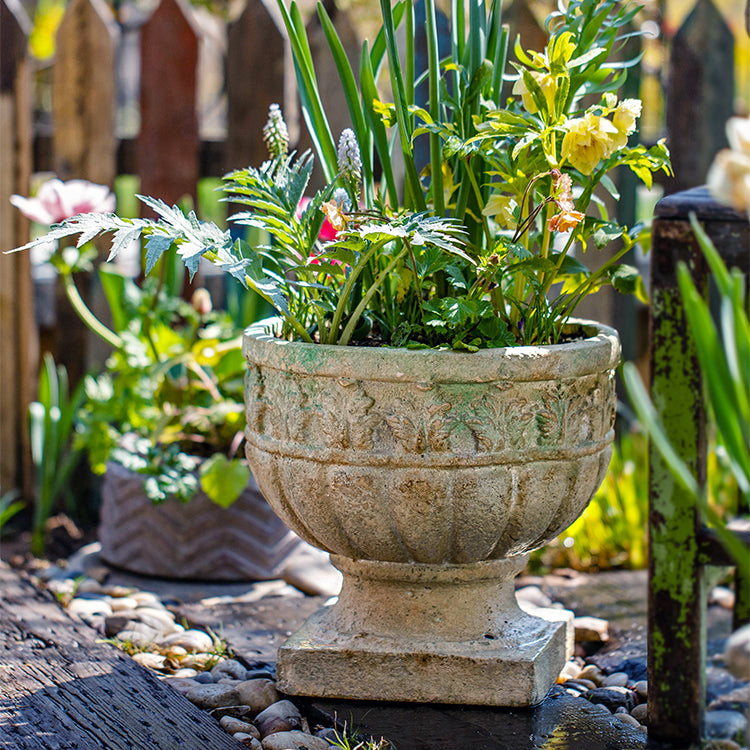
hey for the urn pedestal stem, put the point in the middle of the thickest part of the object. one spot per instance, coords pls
(426, 633)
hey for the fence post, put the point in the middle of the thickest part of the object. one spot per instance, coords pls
(258, 67)
(18, 332)
(700, 95)
(83, 103)
(83, 147)
(168, 143)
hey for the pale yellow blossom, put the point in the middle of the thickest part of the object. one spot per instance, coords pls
(546, 82)
(627, 112)
(589, 140)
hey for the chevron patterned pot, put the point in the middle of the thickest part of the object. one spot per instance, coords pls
(429, 476)
(195, 540)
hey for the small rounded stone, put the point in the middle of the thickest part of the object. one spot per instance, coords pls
(640, 712)
(192, 640)
(229, 668)
(616, 679)
(641, 690)
(123, 602)
(259, 694)
(199, 661)
(182, 685)
(593, 673)
(212, 696)
(204, 678)
(729, 725)
(87, 608)
(294, 740)
(152, 661)
(232, 725)
(186, 672)
(89, 586)
(248, 740)
(612, 697)
(282, 716)
(627, 719)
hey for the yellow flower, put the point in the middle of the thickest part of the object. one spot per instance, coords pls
(589, 140)
(627, 112)
(546, 82)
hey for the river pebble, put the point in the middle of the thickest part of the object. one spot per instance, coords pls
(282, 716)
(612, 697)
(640, 712)
(259, 694)
(213, 696)
(192, 640)
(616, 679)
(229, 668)
(294, 740)
(730, 725)
(232, 725)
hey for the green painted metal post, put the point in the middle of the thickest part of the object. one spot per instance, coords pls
(676, 612)
(677, 552)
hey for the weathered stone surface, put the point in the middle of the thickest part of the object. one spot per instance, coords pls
(404, 460)
(393, 620)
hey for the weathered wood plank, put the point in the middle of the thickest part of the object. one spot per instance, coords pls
(17, 326)
(168, 142)
(62, 689)
(700, 94)
(83, 99)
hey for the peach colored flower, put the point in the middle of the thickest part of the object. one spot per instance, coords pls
(335, 215)
(327, 232)
(589, 140)
(56, 200)
(565, 221)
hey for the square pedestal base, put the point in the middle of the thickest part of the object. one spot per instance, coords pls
(317, 661)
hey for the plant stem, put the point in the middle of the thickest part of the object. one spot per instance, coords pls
(355, 316)
(87, 317)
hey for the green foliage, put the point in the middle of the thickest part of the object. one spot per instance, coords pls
(10, 505)
(477, 248)
(170, 394)
(54, 454)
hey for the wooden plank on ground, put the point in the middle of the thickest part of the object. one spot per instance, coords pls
(18, 332)
(62, 689)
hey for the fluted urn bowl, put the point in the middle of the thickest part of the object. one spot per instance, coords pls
(418, 469)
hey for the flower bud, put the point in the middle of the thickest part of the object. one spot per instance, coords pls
(201, 301)
(349, 158)
(275, 133)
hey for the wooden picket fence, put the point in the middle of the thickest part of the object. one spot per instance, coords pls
(169, 157)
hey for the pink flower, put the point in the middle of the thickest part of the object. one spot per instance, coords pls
(56, 200)
(327, 232)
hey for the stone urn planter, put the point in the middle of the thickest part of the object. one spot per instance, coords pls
(195, 540)
(429, 476)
